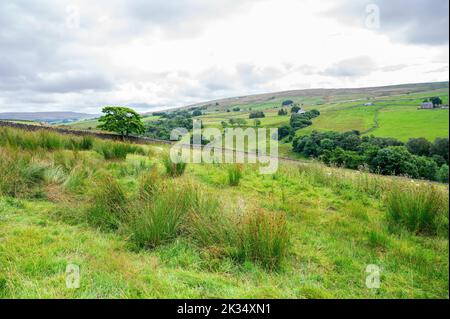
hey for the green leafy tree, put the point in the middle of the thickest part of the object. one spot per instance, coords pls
(436, 101)
(395, 160)
(419, 146)
(295, 109)
(443, 174)
(122, 120)
(441, 147)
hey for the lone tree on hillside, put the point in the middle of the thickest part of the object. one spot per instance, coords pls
(122, 120)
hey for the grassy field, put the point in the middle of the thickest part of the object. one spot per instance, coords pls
(335, 223)
(397, 116)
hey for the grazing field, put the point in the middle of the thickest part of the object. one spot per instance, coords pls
(140, 228)
(396, 116)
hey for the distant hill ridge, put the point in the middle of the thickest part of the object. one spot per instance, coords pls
(45, 116)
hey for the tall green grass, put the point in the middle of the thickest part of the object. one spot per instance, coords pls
(159, 215)
(420, 208)
(234, 174)
(174, 169)
(118, 150)
(109, 204)
(20, 174)
(264, 239)
(44, 139)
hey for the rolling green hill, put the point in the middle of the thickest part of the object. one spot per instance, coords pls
(394, 112)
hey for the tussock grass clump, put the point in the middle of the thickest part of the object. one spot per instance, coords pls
(85, 143)
(148, 185)
(20, 175)
(51, 141)
(420, 208)
(117, 150)
(159, 216)
(77, 179)
(55, 175)
(174, 169)
(264, 239)
(109, 204)
(234, 174)
(113, 151)
(210, 226)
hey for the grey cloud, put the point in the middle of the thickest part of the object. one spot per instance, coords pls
(423, 22)
(72, 82)
(355, 67)
(393, 68)
(49, 62)
(186, 17)
(439, 70)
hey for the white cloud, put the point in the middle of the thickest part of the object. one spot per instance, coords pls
(79, 54)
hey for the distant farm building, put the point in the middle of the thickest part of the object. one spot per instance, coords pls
(427, 105)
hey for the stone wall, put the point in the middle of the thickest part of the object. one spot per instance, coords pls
(115, 137)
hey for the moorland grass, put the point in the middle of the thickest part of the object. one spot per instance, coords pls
(420, 208)
(234, 174)
(174, 169)
(109, 204)
(20, 174)
(308, 231)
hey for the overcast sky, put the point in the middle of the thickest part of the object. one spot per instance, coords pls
(80, 55)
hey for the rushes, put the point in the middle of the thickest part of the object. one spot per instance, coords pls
(420, 208)
(264, 239)
(234, 174)
(174, 169)
(20, 176)
(118, 151)
(161, 211)
(109, 204)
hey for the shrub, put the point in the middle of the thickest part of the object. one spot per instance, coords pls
(264, 239)
(256, 115)
(234, 174)
(174, 169)
(442, 175)
(108, 209)
(421, 209)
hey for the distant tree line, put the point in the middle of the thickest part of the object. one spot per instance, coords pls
(296, 122)
(418, 158)
(168, 121)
